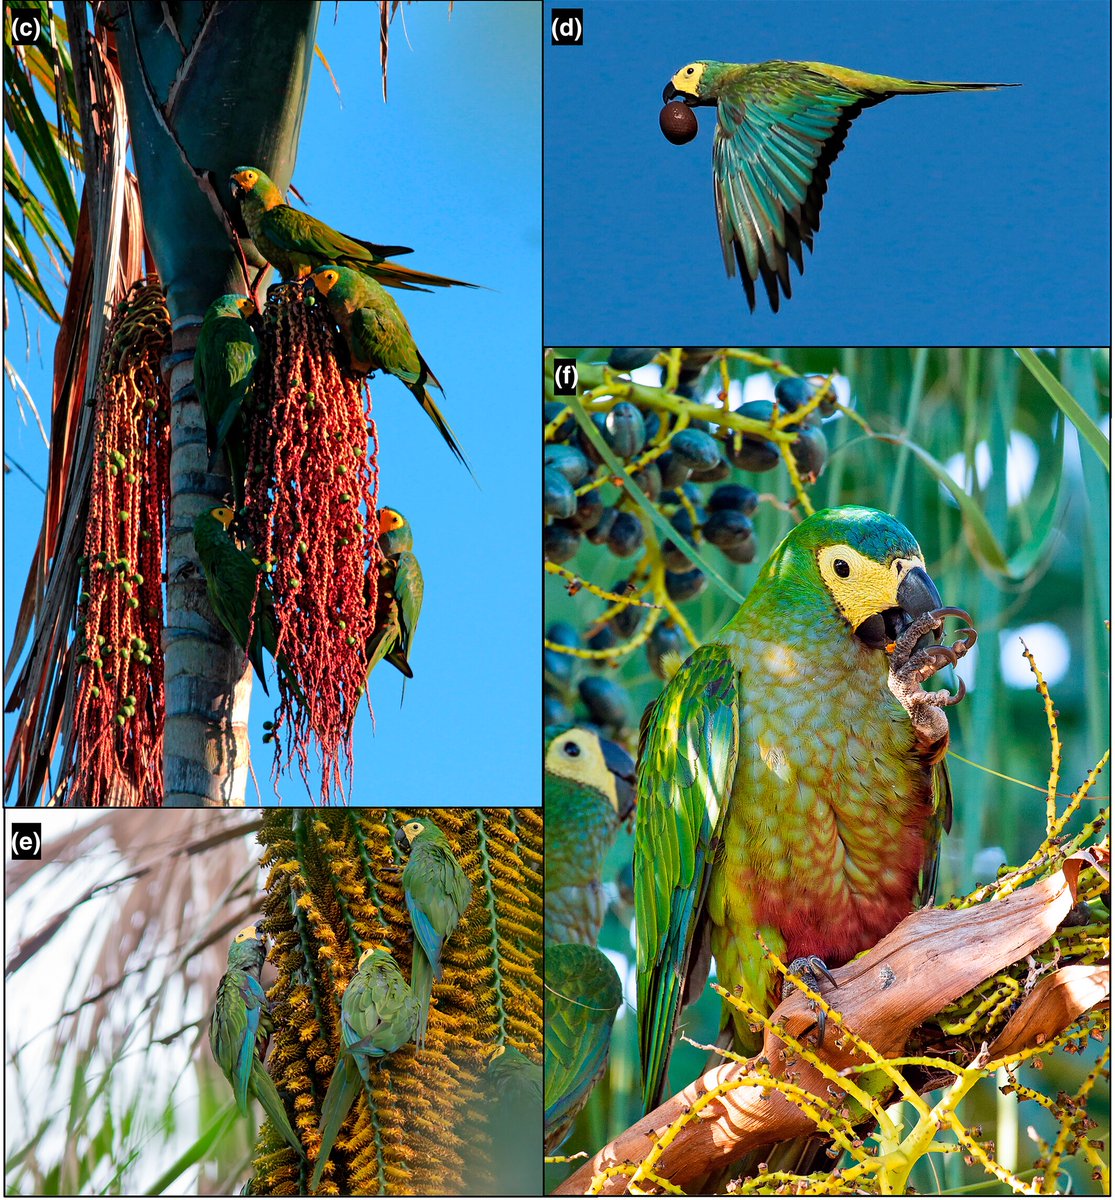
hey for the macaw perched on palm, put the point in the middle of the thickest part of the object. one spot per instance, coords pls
(792, 779)
(437, 892)
(399, 597)
(588, 795)
(224, 365)
(378, 338)
(295, 243)
(232, 577)
(379, 1014)
(780, 126)
(240, 1029)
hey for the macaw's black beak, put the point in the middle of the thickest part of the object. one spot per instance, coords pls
(669, 92)
(622, 767)
(917, 595)
(400, 840)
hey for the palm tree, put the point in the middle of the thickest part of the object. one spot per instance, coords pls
(195, 90)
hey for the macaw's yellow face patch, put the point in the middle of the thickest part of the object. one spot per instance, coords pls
(862, 586)
(688, 79)
(577, 755)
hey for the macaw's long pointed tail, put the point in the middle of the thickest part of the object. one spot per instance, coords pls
(913, 87)
(264, 1091)
(430, 408)
(343, 1089)
(421, 984)
(883, 86)
(406, 279)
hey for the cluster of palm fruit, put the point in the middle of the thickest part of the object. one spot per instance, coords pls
(349, 275)
(687, 460)
(380, 1011)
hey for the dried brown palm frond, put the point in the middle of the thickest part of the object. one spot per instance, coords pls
(108, 255)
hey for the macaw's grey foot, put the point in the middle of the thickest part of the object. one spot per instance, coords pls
(811, 969)
(911, 665)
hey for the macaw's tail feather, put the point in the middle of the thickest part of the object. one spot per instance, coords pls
(339, 1099)
(430, 408)
(929, 85)
(421, 984)
(378, 250)
(265, 1093)
(406, 279)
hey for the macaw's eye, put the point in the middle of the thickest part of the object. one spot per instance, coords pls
(689, 70)
(571, 749)
(841, 568)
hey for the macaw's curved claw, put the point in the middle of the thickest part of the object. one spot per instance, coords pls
(942, 656)
(961, 692)
(810, 968)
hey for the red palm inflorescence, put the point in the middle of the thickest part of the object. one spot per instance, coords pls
(119, 706)
(310, 510)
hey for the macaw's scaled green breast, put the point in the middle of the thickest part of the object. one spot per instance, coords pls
(588, 795)
(783, 789)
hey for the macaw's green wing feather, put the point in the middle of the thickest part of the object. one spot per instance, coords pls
(231, 576)
(409, 589)
(582, 995)
(437, 893)
(344, 1086)
(232, 1032)
(224, 365)
(298, 233)
(687, 762)
(780, 128)
(303, 242)
(428, 937)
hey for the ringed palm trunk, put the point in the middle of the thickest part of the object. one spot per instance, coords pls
(225, 86)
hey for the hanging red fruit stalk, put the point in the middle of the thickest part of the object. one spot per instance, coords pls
(119, 706)
(310, 511)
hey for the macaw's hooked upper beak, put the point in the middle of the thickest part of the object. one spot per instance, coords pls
(622, 767)
(669, 92)
(400, 840)
(917, 595)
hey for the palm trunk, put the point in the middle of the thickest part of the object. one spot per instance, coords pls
(225, 86)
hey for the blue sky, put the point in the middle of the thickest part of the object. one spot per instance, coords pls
(978, 218)
(451, 167)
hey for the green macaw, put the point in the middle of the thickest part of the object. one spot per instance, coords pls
(792, 777)
(582, 996)
(780, 126)
(379, 1013)
(514, 1090)
(399, 598)
(437, 893)
(224, 362)
(230, 580)
(240, 1029)
(379, 339)
(294, 242)
(589, 793)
